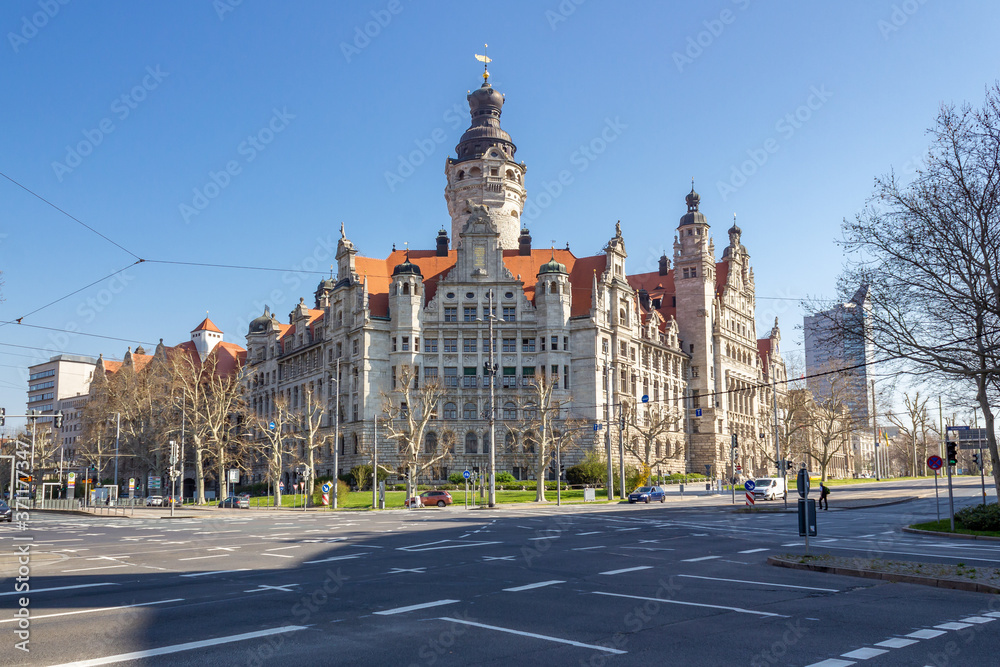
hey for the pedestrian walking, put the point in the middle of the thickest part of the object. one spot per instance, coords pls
(824, 492)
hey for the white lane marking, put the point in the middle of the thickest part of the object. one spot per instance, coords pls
(926, 634)
(622, 530)
(400, 570)
(695, 560)
(528, 587)
(205, 574)
(101, 567)
(201, 557)
(977, 619)
(832, 662)
(297, 546)
(896, 642)
(760, 583)
(593, 532)
(794, 544)
(586, 548)
(864, 653)
(277, 555)
(428, 547)
(738, 610)
(558, 640)
(753, 551)
(994, 614)
(177, 648)
(327, 560)
(414, 607)
(953, 626)
(284, 588)
(628, 569)
(910, 553)
(545, 537)
(59, 588)
(90, 611)
(498, 557)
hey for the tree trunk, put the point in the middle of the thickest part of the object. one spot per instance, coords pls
(991, 439)
(199, 474)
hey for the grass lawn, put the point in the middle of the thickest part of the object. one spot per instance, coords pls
(844, 482)
(944, 526)
(394, 499)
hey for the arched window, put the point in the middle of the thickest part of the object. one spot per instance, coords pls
(354, 438)
(529, 442)
(469, 411)
(450, 411)
(510, 443)
(475, 172)
(461, 174)
(530, 411)
(553, 288)
(406, 288)
(509, 411)
(486, 443)
(659, 449)
(510, 175)
(430, 443)
(471, 443)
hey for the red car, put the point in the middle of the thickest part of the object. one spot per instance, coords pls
(439, 498)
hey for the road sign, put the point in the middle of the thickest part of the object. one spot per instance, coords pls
(281, 486)
(131, 483)
(934, 462)
(750, 498)
(154, 482)
(234, 475)
(697, 412)
(71, 480)
(271, 426)
(466, 474)
(645, 398)
(326, 487)
(598, 427)
(749, 485)
(802, 483)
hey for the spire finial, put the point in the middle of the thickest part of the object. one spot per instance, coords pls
(485, 60)
(406, 246)
(692, 184)
(331, 272)
(342, 235)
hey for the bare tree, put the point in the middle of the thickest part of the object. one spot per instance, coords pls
(930, 252)
(271, 439)
(410, 411)
(912, 424)
(830, 424)
(652, 435)
(310, 423)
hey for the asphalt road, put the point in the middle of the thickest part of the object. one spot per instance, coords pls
(663, 584)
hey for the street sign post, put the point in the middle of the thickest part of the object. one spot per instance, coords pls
(131, 487)
(326, 493)
(807, 506)
(749, 486)
(71, 485)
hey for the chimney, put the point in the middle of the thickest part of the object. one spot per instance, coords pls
(442, 243)
(524, 242)
(664, 265)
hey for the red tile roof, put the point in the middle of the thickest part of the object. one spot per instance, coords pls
(207, 325)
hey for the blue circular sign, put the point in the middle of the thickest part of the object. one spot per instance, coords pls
(645, 398)
(326, 487)
(466, 474)
(935, 462)
(749, 485)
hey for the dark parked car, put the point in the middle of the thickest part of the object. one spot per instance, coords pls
(439, 498)
(235, 502)
(6, 513)
(645, 494)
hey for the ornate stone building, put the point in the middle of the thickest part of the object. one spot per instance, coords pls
(683, 336)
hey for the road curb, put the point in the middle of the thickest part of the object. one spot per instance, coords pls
(954, 536)
(969, 586)
(768, 510)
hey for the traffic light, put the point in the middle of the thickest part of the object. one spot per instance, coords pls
(57, 420)
(736, 441)
(3, 416)
(975, 459)
(952, 453)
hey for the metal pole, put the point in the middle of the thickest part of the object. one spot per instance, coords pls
(777, 442)
(951, 496)
(492, 409)
(336, 440)
(875, 433)
(375, 463)
(118, 430)
(180, 459)
(607, 431)
(34, 419)
(621, 450)
(732, 469)
(558, 474)
(937, 500)
(982, 461)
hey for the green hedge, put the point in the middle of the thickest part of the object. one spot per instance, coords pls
(979, 517)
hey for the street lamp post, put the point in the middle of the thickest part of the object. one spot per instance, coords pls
(607, 431)
(492, 372)
(118, 429)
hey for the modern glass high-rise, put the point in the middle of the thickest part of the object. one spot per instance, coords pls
(836, 340)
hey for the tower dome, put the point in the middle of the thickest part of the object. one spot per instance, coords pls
(407, 268)
(485, 107)
(693, 215)
(552, 266)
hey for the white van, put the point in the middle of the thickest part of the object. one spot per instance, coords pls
(769, 488)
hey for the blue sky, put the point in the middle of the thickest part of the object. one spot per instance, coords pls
(123, 114)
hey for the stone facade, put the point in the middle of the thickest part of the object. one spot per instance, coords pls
(684, 337)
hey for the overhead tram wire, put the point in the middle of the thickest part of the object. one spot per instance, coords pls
(71, 217)
(231, 266)
(76, 333)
